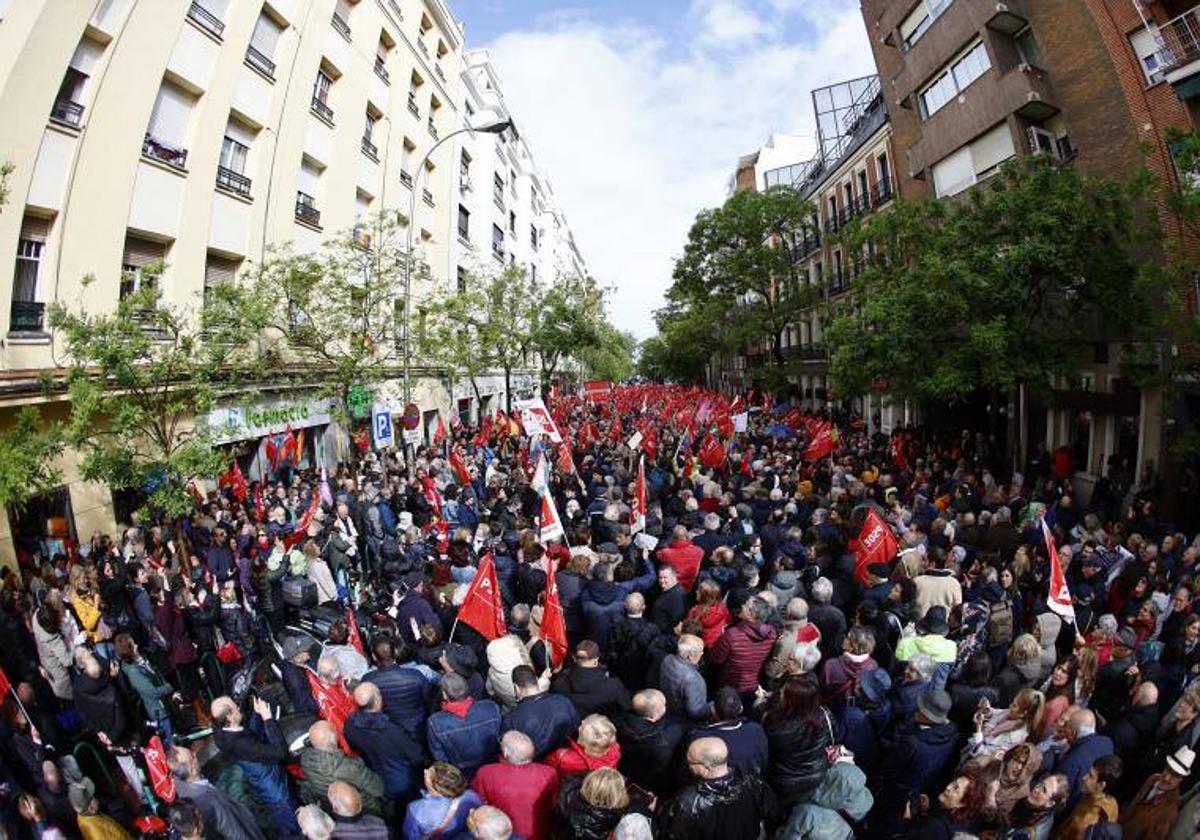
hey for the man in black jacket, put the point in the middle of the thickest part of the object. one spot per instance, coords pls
(295, 675)
(629, 642)
(720, 803)
(548, 719)
(405, 690)
(260, 753)
(223, 817)
(386, 747)
(671, 604)
(588, 685)
(96, 697)
(649, 741)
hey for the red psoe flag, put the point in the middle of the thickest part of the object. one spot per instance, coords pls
(566, 462)
(459, 465)
(637, 512)
(482, 608)
(298, 535)
(554, 626)
(156, 767)
(334, 704)
(712, 453)
(822, 443)
(1059, 597)
(352, 627)
(551, 525)
(439, 432)
(876, 544)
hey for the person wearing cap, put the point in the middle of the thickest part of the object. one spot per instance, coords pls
(296, 655)
(93, 825)
(914, 761)
(931, 640)
(745, 739)
(587, 684)
(1115, 681)
(1156, 804)
(866, 719)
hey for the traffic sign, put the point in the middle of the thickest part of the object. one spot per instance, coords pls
(381, 428)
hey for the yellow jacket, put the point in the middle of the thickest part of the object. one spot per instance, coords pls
(1086, 814)
(88, 614)
(101, 827)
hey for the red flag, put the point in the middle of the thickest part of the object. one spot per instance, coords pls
(711, 454)
(156, 766)
(483, 608)
(566, 462)
(794, 418)
(352, 627)
(239, 483)
(551, 525)
(614, 432)
(5, 685)
(334, 704)
(259, 507)
(898, 455)
(301, 532)
(637, 511)
(822, 443)
(502, 426)
(725, 426)
(432, 496)
(650, 442)
(745, 468)
(439, 433)
(876, 544)
(286, 451)
(554, 627)
(459, 466)
(1059, 597)
(484, 436)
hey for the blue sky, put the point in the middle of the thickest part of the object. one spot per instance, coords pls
(637, 110)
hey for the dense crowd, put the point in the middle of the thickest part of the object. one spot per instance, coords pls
(304, 656)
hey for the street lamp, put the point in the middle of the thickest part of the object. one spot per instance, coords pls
(492, 128)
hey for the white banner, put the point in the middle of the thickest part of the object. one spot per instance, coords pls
(536, 419)
(740, 421)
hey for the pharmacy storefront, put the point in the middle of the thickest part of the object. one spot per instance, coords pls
(271, 435)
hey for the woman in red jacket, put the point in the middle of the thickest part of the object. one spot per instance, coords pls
(596, 747)
(710, 611)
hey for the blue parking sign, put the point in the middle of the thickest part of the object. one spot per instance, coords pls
(383, 428)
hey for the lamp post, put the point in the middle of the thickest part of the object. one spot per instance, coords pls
(492, 128)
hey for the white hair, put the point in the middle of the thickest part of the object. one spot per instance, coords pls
(491, 823)
(822, 590)
(807, 657)
(633, 827)
(797, 609)
(923, 664)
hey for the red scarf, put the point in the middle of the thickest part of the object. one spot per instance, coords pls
(458, 708)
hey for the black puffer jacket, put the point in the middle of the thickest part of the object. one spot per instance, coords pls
(592, 691)
(581, 820)
(798, 755)
(236, 628)
(99, 704)
(648, 751)
(734, 805)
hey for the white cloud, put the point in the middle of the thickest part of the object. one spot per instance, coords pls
(638, 133)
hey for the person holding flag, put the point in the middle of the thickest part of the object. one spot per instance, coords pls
(637, 507)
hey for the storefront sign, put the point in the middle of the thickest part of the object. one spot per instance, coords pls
(256, 419)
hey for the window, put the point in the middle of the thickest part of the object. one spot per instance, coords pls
(919, 21)
(512, 222)
(209, 15)
(954, 79)
(464, 222)
(464, 165)
(1027, 46)
(498, 241)
(307, 191)
(72, 93)
(341, 18)
(973, 162)
(368, 138)
(462, 280)
(1147, 50)
(26, 312)
(533, 274)
(533, 236)
(320, 98)
(140, 265)
(863, 189)
(498, 190)
(512, 182)
(381, 57)
(166, 135)
(219, 271)
(235, 150)
(261, 52)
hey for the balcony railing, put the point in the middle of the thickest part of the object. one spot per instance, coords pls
(427, 197)
(498, 252)
(381, 70)
(424, 49)
(498, 198)
(306, 209)
(437, 68)
(339, 23)
(1179, 41)
(260, 62)
(206, 19)
(67, 112)
(369, 149)
(808, 352)
(322, 110)
(396, 10)
(164, 152)
(406, 179)
(412, 104)
(881, 193)
(233, 181)
(433, 132)
(464, 233)
(26, 316)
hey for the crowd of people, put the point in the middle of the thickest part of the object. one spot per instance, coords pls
(708, 657)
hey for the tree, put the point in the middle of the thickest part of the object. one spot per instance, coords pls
(449, 336)
(141, 380)
(339, 312)
(687, 339)
(1006, 287)
(611, 357)
(568, 321)
(740, 256)
(27, 459)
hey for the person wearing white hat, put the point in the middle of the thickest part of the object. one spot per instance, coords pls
(1157, 803)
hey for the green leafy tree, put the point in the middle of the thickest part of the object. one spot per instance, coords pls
(569, 322)
(1005, 287)
(610, 357)
(338, 314)
(449, 336)
(141, 379)
(688, 337)
(739, 257)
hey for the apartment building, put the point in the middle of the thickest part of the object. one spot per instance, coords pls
(199, 134)
(970, 84)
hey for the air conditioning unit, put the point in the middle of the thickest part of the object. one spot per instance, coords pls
(1041, 141)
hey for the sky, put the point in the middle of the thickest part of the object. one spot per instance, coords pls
(637, 110)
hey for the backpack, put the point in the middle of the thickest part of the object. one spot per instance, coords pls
(1000, 624)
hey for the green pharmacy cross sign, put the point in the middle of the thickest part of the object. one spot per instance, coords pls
(358, 401)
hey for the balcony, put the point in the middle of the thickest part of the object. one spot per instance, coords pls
(406, 179)
(322, 110)
(260, 62)
(1179, 41)
(805, 353)
(396, 10)
(831, 224)
(306, 210)
(881, 193)
(437, 68)
(412, 105)
(235, 182)
(381, 70)
(206, 20)
(67, 112)
(163, 152)
(369, 149)
(424, 49)
(427, 197)
(26, 316)
(339, 23)
(810, 243)
(839, 283)
(498, 198)
(464, 233)
(433, 132)
(498, 252)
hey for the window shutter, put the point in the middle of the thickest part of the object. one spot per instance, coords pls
(142, 252)
(266, 35)
(172, 110)
(35, 228)
(220, 270)
(87, 54)
(954, 173)
(309, 178)
(240, 132)
(993, 148)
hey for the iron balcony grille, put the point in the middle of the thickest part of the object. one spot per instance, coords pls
(233, 181)
(412, 105)
(164, 152)
(433, 132)
(260, 62)
(464, 232)
(369, 149)
(424, 49)
(206, 19)
(381, 70)
(340, 25)
(1178, 41)
(427, 197)
(67, 112)
(406, 179)
(882, 192)
(322, 110)
(437, 68)
(26, 316)
(831, 224)
(306, 210)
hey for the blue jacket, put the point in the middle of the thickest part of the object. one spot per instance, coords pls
(548, 720)
(603, 603)
(390, 751)
(405, 696)
(1078, 760)
(466, 742)
(260, 751)
(427, 815)
(387, 517)
(915, 762)
(862, 731)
